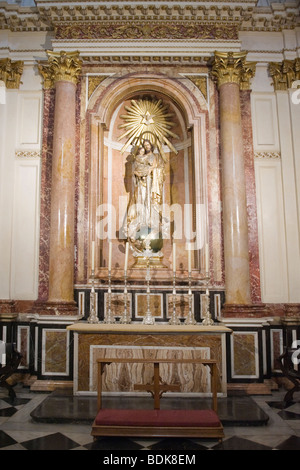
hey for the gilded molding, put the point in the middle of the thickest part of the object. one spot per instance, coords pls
(284, 73)
(11, 72)
(267, 155)
(231, 67)
(28, 154)
(61, 66)
(146, 60)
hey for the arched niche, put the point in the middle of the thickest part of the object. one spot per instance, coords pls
(109, 175)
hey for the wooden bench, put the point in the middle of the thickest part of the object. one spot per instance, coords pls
(12, 362)
(158, 423)
(288, 369)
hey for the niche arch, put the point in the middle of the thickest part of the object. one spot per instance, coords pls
(186, 175)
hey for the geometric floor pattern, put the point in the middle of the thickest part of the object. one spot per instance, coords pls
(18, 431)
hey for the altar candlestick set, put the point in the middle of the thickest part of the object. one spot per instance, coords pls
(148, 319)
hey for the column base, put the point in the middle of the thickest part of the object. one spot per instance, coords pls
(292, 310)
(288, 311)
(7, 306)
(245, 311)
(55, 308)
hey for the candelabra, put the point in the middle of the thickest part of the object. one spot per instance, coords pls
(109, 318)
(207, 320)
(174, 320)
(148, 319)
(93, 318)
(190, 319)
(126, 314)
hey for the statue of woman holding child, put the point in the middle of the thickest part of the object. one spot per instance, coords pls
(148, 129)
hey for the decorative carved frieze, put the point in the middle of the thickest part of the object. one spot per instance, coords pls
(61, 66)
(231, 67)
(142, 30)
(11, 72)
(284, 73)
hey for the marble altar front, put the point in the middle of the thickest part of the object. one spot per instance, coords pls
(92, 341)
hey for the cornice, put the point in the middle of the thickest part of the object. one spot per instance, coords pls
(54, 15)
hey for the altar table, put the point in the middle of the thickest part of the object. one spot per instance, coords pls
(162, 341)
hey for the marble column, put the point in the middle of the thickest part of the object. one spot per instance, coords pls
(62, 70)
(232, 74)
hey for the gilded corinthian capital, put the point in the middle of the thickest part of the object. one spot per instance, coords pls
(231, 67)
(11, 72)
(61, 66)
(284, 73)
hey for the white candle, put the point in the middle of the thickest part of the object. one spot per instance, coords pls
(93, 256)
(190, 257)
(174, 257)
(206, 259)
(109, 256)
(3, 360)
(126, 256)
(207, 293)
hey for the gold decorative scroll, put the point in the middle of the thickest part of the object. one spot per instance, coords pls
(231, 67)
(147, 118)
(61, 66)
(284, 73)
(11, 72)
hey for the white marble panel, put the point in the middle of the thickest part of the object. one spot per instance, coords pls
(272, 242)
(24, 260)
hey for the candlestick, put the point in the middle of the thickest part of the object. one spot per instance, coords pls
(148, 319)
(174, 257)
(207, 320)
(126, 314)
(93, 318)
(174, 320)
(109, 318)
(109, 255)
(93, 255)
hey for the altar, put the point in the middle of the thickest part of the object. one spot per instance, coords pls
(139, 341)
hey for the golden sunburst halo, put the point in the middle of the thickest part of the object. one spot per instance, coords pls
(147, 119)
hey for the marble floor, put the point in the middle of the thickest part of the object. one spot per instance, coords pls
(57, 421)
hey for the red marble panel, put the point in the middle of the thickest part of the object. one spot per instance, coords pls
(251, 196)
(46, 168)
